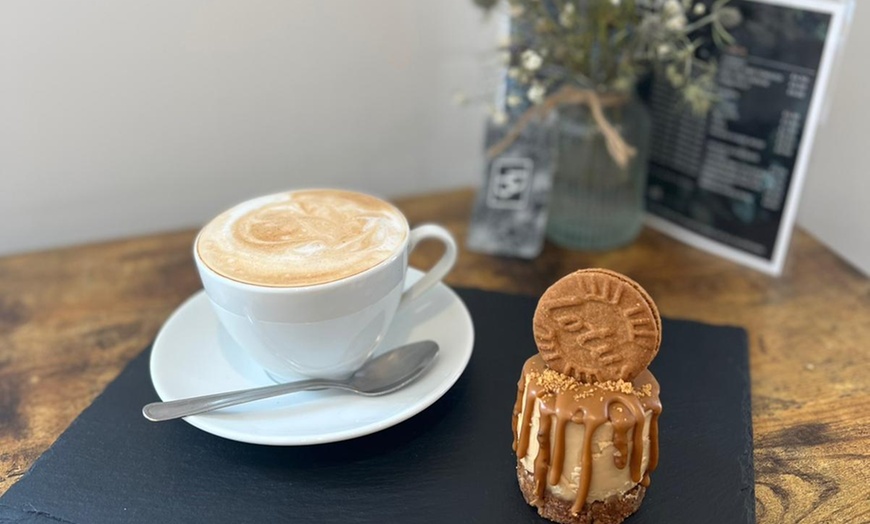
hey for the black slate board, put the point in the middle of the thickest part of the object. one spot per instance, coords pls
(451, 463)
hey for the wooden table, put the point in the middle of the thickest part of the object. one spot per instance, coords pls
(70, 319)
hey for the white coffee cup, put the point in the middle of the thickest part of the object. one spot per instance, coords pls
(327, 329)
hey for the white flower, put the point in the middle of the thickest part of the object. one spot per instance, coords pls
(664, 49)
(531, 60)
(504, 57)
(677, 23)
(499, 118)
(566, 17)
(674, 76)
(514, 101)
(672, 8)
(623, 84)
(513, 73)
(729, 17)
(615, 2)
(699, 9)
(536, 93)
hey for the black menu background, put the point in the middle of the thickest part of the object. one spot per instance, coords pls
(726, 175)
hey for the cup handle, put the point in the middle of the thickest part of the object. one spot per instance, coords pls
(440, 269)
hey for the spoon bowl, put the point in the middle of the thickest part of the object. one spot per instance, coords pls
(378, 376)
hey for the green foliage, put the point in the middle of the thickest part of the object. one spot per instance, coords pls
(607, 44)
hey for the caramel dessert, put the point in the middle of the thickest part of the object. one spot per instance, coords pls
(585, 421)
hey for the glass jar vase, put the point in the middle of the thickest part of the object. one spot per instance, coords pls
(595, 204)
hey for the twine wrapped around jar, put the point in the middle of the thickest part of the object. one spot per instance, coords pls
(619, 150)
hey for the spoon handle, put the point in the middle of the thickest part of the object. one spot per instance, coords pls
(160, 411)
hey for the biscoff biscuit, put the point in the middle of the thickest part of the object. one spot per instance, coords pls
(597, 325)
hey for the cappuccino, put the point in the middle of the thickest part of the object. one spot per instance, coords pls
(302, 238)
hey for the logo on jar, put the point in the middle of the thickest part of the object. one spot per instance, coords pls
(510, 183)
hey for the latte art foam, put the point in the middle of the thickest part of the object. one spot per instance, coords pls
(302, 238)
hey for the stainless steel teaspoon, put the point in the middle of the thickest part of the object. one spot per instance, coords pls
(381, 375)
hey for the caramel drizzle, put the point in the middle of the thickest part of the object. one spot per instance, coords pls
(592, 412)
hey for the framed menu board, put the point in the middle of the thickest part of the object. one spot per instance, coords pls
(729, 182)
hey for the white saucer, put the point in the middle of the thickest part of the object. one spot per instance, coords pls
(193, 355)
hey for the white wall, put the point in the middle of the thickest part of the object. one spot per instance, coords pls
(120, 117)
(835, 206)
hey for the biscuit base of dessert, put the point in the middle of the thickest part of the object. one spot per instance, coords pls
(611, 511)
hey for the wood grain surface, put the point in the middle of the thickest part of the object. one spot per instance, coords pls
(70, 319)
